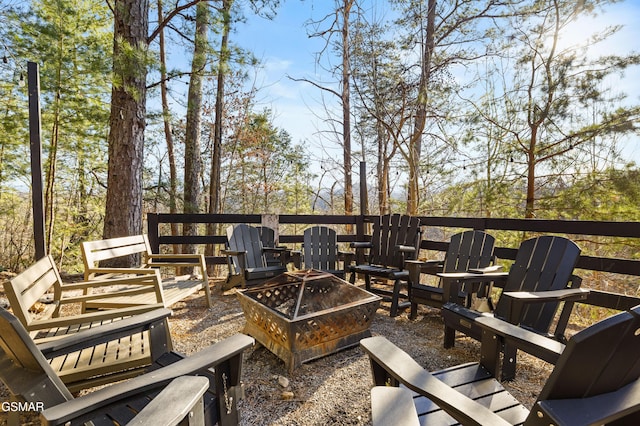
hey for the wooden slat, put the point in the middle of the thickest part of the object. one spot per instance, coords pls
(172, 292)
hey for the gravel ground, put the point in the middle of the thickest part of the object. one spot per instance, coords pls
(333, 389)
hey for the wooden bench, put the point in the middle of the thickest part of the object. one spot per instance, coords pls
(174, 288)
(33, 284)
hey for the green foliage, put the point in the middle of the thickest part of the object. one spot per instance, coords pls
(266, 169)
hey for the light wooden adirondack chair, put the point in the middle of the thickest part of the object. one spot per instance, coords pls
(395, 239)
(595, 381)
(27, 372)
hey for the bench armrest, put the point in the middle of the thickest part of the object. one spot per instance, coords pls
(104, 333)
(44, 324)
(179, 256)
(121, 271)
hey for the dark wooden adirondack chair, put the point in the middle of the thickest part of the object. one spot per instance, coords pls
(320, 250)
(540, 278)
(268, 238)
(395, 239)
(180, 402)
(595, 381)
(467, 250)
(246, 258)
(27, 372)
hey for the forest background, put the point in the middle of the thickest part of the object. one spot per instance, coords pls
(459, 108)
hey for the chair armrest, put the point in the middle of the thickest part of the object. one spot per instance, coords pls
(91, 317)
(279, 249)
(233, 252)
(471, 277)
(541, 347)
(399, 365)
(181, 398)
(104, 333)
(518, 299)
(391, 405)
(417, 267)
(209, 357)
(599, 409)
(360, 244)
(485, 270)
(347, 256)
(406, 249)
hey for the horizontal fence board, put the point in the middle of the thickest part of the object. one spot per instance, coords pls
(563, 227)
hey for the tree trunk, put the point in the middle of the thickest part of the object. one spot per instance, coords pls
(123, 214)
(346, 112)
(415, 142)
(192, 160)
(166, 114)
(216, 154)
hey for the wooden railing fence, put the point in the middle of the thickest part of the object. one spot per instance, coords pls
(359, 223)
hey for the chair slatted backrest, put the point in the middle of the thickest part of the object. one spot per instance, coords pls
(390, 231)
(320, 248)
(469, 249)
(600, 359)
(246, 238)
(542, 264)
(23, 368)
(25, 289)
(268, 238)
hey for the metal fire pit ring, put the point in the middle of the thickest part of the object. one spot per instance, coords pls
(304, 315)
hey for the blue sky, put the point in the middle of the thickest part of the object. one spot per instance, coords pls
(285, 50)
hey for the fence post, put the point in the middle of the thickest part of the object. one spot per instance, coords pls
(153, 232)
(35, 144)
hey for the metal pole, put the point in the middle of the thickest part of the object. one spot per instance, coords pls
(364, 195)
(35, 142)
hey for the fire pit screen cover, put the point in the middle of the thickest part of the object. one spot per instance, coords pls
(304, 315)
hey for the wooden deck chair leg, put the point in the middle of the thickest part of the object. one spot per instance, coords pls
(449, 337)
(395, 299)
(414, 311)
(490, 350)
(228, 390)
(367, 282)
(509, 362)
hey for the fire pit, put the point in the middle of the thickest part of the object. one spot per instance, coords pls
(300, 316)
